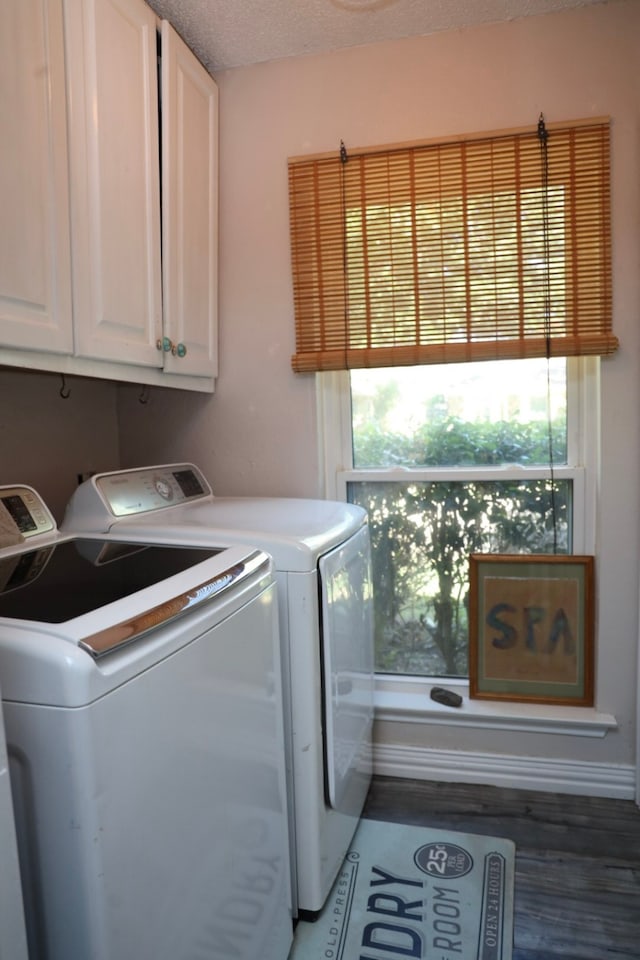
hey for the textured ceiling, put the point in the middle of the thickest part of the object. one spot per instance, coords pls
(232, 33)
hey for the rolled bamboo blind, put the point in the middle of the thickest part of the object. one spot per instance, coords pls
(453, 251)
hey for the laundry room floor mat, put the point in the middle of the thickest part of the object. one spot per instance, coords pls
(412, 892)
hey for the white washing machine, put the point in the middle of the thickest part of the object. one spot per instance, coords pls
(143, 711)
(13, 935)
(321, 553)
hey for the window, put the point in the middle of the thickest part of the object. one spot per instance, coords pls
(454, 459)
(410, 265)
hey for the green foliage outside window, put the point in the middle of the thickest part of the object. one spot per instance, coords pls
(423, 531)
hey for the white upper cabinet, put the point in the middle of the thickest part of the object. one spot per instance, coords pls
(190, 209)
(102, 272)
(115, 179)
(35, 271)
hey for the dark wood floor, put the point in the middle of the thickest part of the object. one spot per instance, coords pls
(577, 883)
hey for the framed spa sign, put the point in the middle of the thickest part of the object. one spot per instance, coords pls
(531, 628)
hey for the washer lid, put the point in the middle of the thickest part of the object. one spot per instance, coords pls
(58, 582)
(74, 662)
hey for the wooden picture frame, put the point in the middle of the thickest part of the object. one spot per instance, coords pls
(531, 628)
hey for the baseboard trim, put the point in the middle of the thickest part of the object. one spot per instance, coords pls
(525, 773)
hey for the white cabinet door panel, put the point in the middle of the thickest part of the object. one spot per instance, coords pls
(189, 209)
(35, 273)
(115, 191)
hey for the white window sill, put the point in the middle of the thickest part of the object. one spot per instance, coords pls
(407, 700)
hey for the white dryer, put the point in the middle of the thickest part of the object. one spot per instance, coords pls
(321, 552)
(143, 710)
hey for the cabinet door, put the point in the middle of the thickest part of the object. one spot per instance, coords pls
(35, 273)
(115, 180)
(189, 209)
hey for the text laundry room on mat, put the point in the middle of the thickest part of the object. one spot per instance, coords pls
(406, 891)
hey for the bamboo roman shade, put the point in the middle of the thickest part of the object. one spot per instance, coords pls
(472, 249)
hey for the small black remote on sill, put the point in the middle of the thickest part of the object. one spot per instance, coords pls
(447, 697)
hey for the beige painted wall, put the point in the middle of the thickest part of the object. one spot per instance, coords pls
(46, 441)
(257, 434)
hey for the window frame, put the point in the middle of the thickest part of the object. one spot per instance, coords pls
(583, 379)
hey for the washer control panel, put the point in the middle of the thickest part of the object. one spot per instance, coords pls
(27, 510)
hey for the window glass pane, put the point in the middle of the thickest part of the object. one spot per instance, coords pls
(469, 414)
(422, 534)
